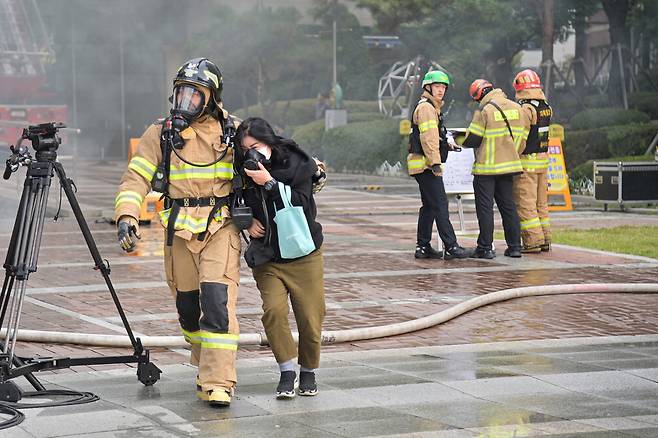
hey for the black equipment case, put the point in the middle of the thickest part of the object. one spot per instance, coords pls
(624, 183)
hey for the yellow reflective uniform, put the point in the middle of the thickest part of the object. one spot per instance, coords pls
(498, 153)
(203, 275)
(531, 187)
(426, 116)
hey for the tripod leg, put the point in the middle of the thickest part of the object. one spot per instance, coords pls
(91, 244)
(23, 253)
(18, 228)
(18, 362)
(4, 298)
(28, 252)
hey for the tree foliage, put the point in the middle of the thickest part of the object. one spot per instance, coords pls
(470, 38)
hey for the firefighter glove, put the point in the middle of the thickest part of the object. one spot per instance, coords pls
(128, 233)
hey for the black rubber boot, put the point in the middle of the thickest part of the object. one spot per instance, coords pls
(481, 253)
(513, 252)
(427, 252)
(457, 252)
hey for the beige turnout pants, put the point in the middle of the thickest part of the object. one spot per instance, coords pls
(205, 286)
(303, 281)
(531, 198)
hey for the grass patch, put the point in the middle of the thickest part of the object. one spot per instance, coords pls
(642, 241)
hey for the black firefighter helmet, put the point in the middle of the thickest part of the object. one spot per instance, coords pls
(197, 71)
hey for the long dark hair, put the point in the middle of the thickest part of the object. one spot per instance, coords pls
(259, 129)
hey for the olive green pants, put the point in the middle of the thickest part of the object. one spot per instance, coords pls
(303, 280)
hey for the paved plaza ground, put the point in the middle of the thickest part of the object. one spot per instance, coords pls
(581, 365)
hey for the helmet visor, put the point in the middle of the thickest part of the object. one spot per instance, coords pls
(188, 100)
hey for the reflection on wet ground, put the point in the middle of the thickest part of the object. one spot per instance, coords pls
(449, 391)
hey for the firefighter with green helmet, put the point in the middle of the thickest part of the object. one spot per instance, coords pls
(428, 134)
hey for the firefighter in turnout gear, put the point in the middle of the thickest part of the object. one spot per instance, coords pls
(428, 148)
(531, 187)
(497, 133)
(188, 158)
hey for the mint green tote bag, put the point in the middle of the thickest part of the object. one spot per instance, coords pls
(292, 229)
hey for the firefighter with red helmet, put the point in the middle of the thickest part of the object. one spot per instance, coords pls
(531, 186)
(428, 148)
(497, 133)
(187, 157)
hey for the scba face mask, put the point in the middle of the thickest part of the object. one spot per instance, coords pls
(188, 101)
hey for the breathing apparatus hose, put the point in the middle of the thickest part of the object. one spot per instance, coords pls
(358, 334)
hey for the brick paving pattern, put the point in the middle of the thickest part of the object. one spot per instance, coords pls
(371, 277)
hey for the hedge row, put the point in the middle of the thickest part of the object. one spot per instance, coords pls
(604, 117)
(310, 135)
(586, 169)
(301, 111)
(363, 146)
(645, 102)
(592, 144)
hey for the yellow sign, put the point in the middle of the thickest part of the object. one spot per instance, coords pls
(556, 131)
(558, 182)
(405, 127)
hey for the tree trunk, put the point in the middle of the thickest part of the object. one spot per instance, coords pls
(548, 31)
(502, 73)
(617, 11)
(581, 49)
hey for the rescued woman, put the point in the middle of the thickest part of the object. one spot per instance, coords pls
(271, 161)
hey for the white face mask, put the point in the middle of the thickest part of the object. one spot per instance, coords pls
(265, 151)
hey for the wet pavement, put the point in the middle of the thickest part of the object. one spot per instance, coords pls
(581, 387)
(421, 382)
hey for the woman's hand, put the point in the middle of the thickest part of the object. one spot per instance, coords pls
(260, 176)
(256, 229)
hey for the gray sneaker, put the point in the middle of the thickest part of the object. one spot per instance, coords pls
(288, 382)
(307, 385)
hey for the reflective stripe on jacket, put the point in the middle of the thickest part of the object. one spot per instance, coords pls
(426, 116)
(497, 153)
(203, 144)
(538, 161)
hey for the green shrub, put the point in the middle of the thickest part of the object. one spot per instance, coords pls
(646, 102)
(580, 146)
(283, 113)
(586, 169)
(603, 117)
(362, 146)
(300, 111)
(361, 106)
(597, 101)
(630, 139)
(564, 107)
(309, 137)
(599, 144)
(364, 117)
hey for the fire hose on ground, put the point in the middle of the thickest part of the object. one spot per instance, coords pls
(357, 334)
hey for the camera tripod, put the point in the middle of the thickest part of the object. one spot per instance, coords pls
(21, 261)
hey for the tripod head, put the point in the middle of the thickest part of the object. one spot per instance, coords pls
(44, 136)
(45, 142)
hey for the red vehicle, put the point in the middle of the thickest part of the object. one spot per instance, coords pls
(24, 51)
(13, 118)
